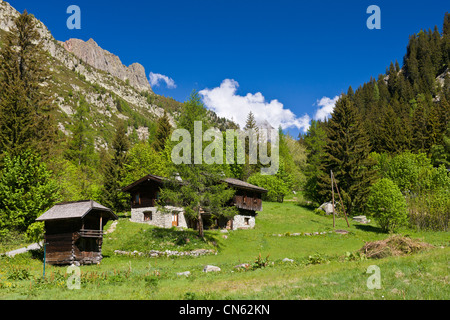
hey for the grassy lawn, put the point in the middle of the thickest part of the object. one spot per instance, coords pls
(319, 269)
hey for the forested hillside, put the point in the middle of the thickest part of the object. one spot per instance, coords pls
(69, 131)
(397, 127)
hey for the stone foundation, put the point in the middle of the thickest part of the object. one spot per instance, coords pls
(243, 222)
(154, 217)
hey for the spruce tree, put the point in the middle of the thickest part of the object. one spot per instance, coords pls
(446, 41)
(114, 170)
(163, 131)
(347, 155)
(314, 141)
(201, 191)
(392, 137)
(25, 119)
(250, 124)
(81, 144)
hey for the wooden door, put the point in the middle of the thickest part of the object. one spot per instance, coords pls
(175, 220)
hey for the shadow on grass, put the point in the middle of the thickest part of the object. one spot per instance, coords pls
(37, 254)
(307, 205)
(369, 228)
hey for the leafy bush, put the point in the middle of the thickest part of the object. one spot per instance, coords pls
(426, 188)
(35, 232)
(260, 262)
(276, 187)
(387, 205)
(317, 259)
(430, 210)
(27, 190)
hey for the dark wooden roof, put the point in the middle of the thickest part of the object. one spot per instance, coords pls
(149, 177)
(231, 181)
(74, 210)
(244, 185)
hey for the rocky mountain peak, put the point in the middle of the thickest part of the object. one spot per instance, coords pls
(92, 54)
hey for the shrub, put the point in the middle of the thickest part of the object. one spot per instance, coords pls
(277, 188)
(387, 205)
(317, 258)
(429, 210)
(260, 262)
(35, 232)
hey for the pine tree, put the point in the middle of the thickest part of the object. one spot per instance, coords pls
(202, 192)
(421, 136)
(25, 119)
(250, 124)
(163, 131)
(392, 138)
(446, 41)
(81, 144)
(347, 155)
(314, 141)
(114, 171)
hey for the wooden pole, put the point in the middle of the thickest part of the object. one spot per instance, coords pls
(332, 192)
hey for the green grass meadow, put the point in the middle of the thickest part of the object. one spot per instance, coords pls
(321, 267)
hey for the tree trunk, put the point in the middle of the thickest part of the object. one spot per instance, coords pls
(200, 224)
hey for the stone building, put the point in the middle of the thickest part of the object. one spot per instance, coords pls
(145, 194)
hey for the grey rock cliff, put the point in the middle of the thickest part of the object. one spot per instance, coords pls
(92, 54)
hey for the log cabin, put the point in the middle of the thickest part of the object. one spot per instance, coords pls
(145, 194)
(74, 232)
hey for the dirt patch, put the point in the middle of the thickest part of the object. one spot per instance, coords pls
(396, 245)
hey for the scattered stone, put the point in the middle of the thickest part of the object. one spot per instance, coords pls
(167, 253)
(296, 234)
(315, 233)
(341, 231)
(307, 234)
(210, 268)
(225, 236)
(243, 266)
(361, 219)
(327, 207)
(186, 273)
(288, 260)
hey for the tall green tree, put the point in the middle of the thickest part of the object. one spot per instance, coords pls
(25, 119)
(81, 144)
(315, 142)
(114, 171)
(197, 188)
(347, 152)
(163, 131)
(27, 190)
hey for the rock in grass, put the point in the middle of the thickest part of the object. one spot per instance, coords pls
(186, 273)
(210, 268)
(288, 260)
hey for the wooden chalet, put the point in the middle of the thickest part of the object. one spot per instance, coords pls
(145, 193)
(74, 232)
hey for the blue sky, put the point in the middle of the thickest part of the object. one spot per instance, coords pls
(278, 57)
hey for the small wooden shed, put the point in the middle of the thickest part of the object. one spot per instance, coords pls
(74, 232)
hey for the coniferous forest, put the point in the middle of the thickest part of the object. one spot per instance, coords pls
(392, 133)
(393, 127)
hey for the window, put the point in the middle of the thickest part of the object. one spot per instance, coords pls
(148, 216)
(137, 199)
(246, 221)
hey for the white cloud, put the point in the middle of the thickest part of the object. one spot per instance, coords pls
(326, 107)
(156, 78)
(226, 103)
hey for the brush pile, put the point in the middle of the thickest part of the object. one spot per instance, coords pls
(395, 245)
